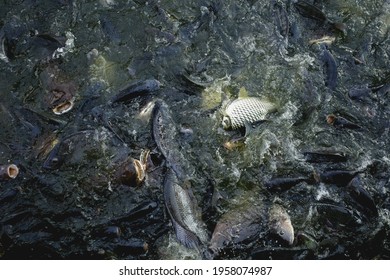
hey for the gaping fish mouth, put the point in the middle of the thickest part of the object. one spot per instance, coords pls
(10, 171)
(64, 107)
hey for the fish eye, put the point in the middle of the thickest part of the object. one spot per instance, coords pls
(226, 122)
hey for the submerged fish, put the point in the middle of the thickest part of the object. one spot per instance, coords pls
(280, 223)
(285, 183)
(325, 156)
(340, 122)
(182, 208)
(166, 135)
(330, 67)
(243, 111)
(137, 89)
(362, 197)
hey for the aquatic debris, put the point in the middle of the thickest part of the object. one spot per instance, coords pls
(280, 184)
(245, 111)
(338, 177)
(133, 171)
(330, 67)
(325, 156)
(280, 223)
(8, 171)
(340, 122)
(182, 208)
(362, 197)
(137, 89)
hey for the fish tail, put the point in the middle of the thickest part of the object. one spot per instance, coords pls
(185, 236)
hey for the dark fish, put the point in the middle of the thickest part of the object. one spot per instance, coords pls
(182, 208)
(340, 122)
(109, 29)
(325, 156)
(280, 253)
(362, 196)
(134, 246)
(281, 19)
(360, 94)
(53, 160)
(336, 215)
(330, 68)
(340, 178)
(137, 89)
(165, 134)
(285, 183)
(308, 10)
(139, 212)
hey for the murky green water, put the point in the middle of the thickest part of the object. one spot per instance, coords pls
(203, 53)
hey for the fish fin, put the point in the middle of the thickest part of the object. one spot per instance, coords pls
(248, 129)
(243, 93)
(185, 236)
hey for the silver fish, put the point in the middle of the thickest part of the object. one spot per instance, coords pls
(183, 210)
(238, 226)
(280, 223)
(244, 111)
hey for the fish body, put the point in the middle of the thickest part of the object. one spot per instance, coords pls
(285, 183)
(338, 177)
(280, 223)
(325, 156)
(237, 226)
(182, 208)
(243, 111)
(362, 197)
(330, 68)
(137, 89)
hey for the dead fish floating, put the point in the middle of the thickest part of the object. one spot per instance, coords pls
(280, 223)
(8, 171)
(244, 111)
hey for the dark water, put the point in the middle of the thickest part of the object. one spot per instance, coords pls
(67, 201)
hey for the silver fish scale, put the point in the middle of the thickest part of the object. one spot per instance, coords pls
(247, 110)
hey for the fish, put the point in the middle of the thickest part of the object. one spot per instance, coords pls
(362, 197)
(330, 67)
(340, 122)
(340, 178)
(166, 134)
(8, 171)
(136, 89)
(281, 19)
(325, 156)
(280, 223)
(285, 183)
(310, 11)
(244, 111)
(182, 208)
(239, 225)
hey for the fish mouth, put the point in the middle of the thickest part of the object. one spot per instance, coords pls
(64, 107)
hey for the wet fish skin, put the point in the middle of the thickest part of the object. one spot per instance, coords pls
(338, 177)
(280, 223)
(325, 156)
(165, 134)
(243, 111)
(280, 184)
(237, 226)
(181, 206)
(362, 196)
(340, 122)
(330, 67)
(137, 89)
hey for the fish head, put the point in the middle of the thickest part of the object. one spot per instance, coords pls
(226, 122)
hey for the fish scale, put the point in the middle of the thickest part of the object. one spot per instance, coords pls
(246, 110)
